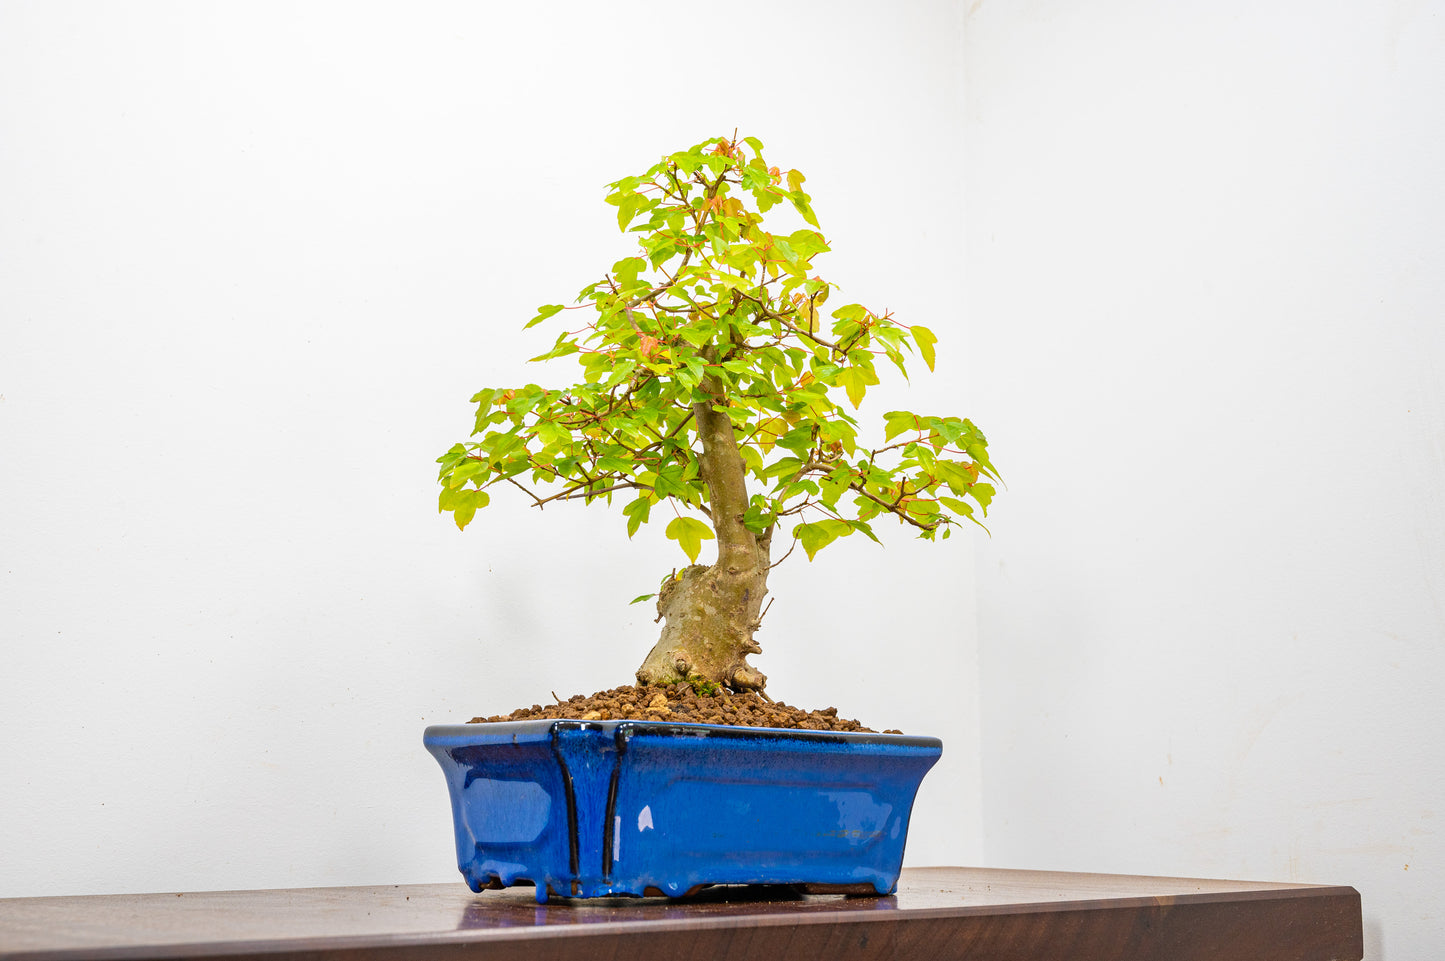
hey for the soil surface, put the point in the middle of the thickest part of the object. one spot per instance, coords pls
(680, 702)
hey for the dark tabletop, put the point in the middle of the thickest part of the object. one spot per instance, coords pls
(938, 913)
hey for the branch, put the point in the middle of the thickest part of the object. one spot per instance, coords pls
(656, 291)
(783, 322)
(577, 492)
(524, 490)
(781, 559)
(893, 509)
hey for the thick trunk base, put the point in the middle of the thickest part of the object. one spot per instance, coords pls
(710, 614)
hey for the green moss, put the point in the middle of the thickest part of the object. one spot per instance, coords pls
(703, 687)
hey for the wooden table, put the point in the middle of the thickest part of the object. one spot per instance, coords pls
(938, 913)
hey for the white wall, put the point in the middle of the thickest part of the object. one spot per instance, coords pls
(1205, 286)
(254, 258)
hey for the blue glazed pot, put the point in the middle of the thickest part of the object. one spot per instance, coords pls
(600, 808)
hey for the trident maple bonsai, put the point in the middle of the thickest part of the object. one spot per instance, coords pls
(710, 387)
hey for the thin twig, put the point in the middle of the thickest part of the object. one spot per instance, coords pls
(578, 492)
(780, 560)
(539, 501)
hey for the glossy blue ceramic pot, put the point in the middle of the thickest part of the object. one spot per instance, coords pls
(600, 808)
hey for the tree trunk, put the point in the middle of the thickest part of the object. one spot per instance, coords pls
(710, 613)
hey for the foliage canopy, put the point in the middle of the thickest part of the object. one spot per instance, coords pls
(715, 310)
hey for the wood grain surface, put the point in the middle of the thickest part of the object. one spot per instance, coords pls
(979, 914)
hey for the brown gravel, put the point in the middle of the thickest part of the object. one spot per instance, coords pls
(681, 703)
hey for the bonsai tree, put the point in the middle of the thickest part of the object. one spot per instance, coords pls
(712, 396)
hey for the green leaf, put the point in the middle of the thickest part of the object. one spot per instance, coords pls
(799, 440)
(851, 379)
(626, 270)
(959, 507)
(689, 532)
(834, 484)
(978, 450)
(769, 431)
(896, 422)
(627, 209)
(921, 508)
(450, 460)
(463, 504)
(861, 526)
(958, 477)
(855, 380)
(925, 340)
(962, 508)
(733, 281)
(806, 211)
(950, 429)
(552, 434)
(465, 472)
(642, 597)
(799, 487)
(812, 537)
(562, 348)
(543, 312)
(759, 515)
(637, 513)
(695, 336)
(752, 460)
(469, 497)
(818, 535)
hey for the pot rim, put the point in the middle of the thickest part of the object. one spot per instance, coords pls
(543, 727)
